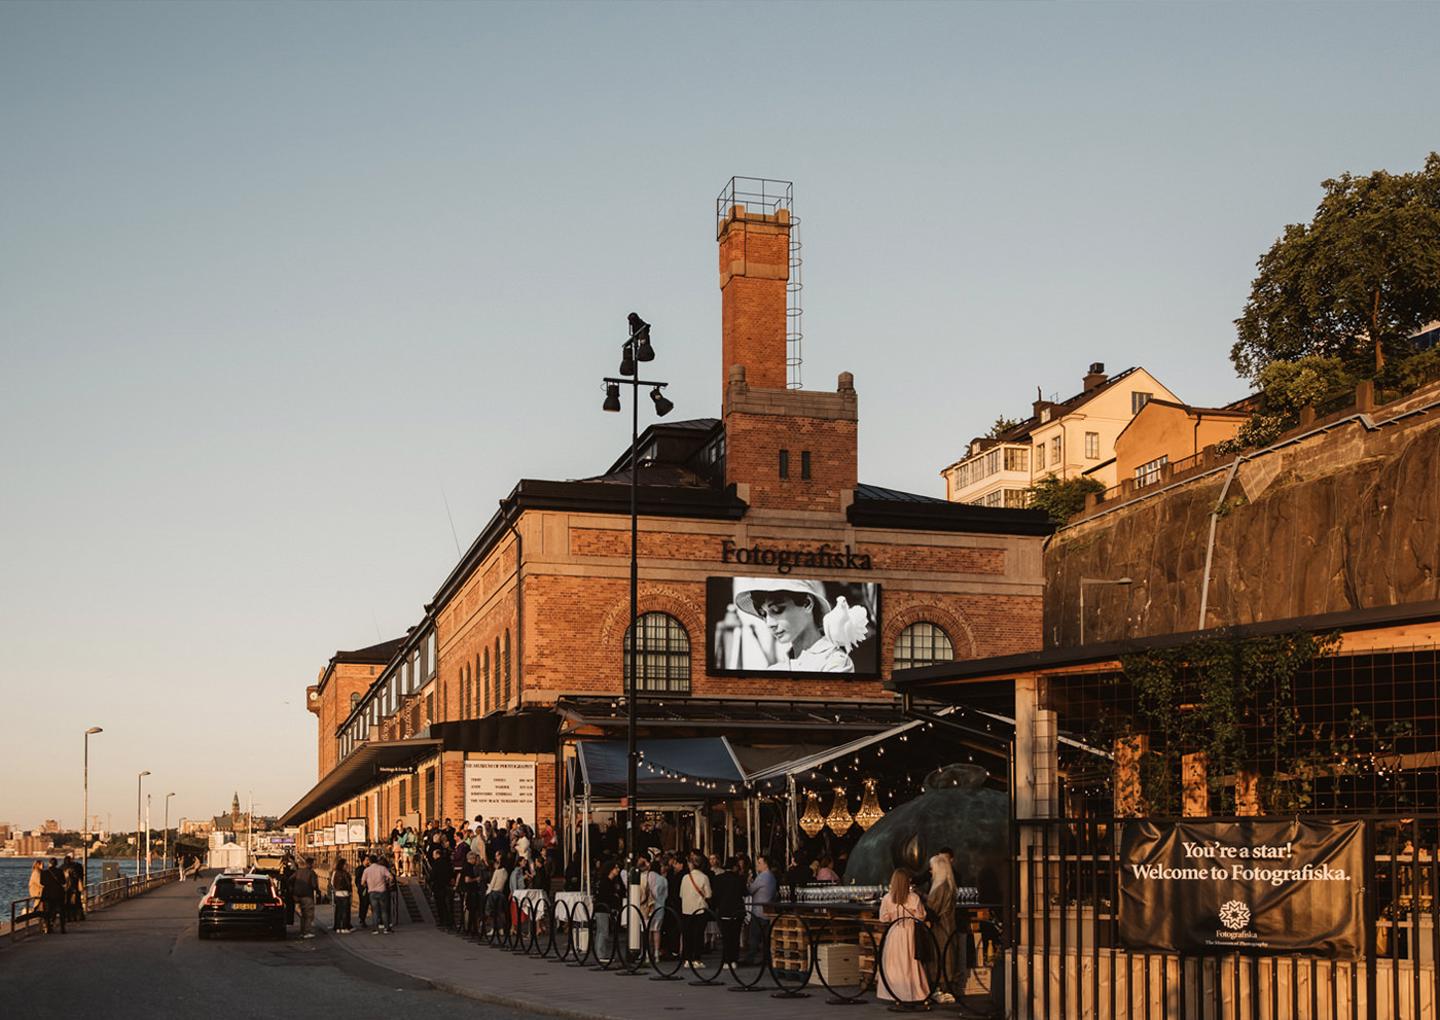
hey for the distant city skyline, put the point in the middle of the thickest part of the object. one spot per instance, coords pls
(294, 293)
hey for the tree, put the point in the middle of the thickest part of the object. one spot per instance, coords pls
(1355, 282)
(1062, 500)
(1002, 424)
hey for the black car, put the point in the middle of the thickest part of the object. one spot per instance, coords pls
(249, 902)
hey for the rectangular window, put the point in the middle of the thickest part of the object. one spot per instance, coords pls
(1149, 473)
(784, 463)
(1039, 456)
(805, 465)
(1138, 400)
(1017, 459)
(1015, 499)
(1092, 446)
(1055, 451)
(415, 674)
(430, 653)
(430, 706)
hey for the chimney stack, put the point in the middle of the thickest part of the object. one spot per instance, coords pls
(754, 269)
(1096, 376)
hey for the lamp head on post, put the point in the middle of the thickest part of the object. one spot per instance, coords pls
(662, 406)
(94, 729)
(627, 359)
(143, 774)
(612, 397)
(640, 337)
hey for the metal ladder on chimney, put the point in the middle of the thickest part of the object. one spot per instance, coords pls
(793, 310)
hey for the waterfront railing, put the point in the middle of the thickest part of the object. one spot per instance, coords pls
(28, 915)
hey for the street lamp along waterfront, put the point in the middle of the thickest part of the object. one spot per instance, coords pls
(635, 349)
(139, 842)
(85, 820)
(165, 833)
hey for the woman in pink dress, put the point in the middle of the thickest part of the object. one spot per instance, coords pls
(903, 979)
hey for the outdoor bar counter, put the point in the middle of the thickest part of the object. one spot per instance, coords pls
(842, 924)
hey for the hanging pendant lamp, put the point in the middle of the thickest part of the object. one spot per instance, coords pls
(870, 811)
(839, 818)
(812, 821)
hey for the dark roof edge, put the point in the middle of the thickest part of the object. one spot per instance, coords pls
(585, 497)
(1372, 618)
(371, 655)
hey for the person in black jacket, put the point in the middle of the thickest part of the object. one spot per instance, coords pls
(440, 875)
(728, 901)
(52, 896)
(287, 889)
(610, 895)
(342, 891)
(670, 927)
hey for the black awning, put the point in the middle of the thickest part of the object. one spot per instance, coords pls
(785, 720)
(360, 769)
(522, 733)
(692, 769)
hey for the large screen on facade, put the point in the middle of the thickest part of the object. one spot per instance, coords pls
(792, 625)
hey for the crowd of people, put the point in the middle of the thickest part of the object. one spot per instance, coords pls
(57, 892)
(691, 903)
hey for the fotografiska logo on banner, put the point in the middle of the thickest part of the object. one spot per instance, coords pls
(1234, 915)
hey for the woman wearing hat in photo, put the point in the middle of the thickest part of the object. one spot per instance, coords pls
(800, 632)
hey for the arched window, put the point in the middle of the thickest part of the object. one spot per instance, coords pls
(485, 683)
(464, 694)
(922, 644)
(475, 695)
(507, 669)
(354, 701)
(495, 701)
(663, 655)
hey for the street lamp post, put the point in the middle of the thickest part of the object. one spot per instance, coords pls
(635, 349)
(85, 823)
(165, 833)
(1094, 580)
(139, 783)
(148, 845)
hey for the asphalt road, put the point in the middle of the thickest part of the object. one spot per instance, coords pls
(143, 959)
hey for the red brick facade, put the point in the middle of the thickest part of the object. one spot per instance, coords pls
(544, 613)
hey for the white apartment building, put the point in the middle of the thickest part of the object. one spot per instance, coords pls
(1067, 438)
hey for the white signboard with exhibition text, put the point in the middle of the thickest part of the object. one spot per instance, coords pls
(500, 789)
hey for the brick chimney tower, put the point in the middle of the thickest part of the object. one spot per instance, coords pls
(754, 268)
(786, 449)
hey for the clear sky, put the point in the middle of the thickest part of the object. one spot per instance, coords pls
(277, 282)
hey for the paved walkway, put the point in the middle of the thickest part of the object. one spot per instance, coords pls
(461, 967)
(141, 960)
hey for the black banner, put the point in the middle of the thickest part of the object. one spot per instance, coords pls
(1247, 886)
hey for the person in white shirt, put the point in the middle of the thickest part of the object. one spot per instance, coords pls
(695, 895)
(497, 890)
(654, 877)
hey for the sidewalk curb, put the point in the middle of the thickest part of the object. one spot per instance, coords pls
(494, 998)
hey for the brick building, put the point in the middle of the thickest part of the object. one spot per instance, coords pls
(517, 663)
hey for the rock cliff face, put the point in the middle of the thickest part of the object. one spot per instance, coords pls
(1342, 520)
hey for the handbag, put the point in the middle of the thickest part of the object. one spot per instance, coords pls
(924, 948)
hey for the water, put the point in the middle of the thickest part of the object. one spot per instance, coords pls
(15, 877)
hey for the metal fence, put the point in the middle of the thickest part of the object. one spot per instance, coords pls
(845, 958)
(27, 915)
(1065, 958)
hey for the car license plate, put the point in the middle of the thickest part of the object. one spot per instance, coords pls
(242, 906)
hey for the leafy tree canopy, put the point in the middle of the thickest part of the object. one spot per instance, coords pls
(1002, 424)
(1355, 282)
(1062, 500)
